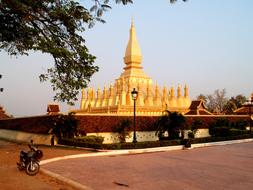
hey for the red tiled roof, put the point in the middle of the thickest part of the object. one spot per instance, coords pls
(242, 110)
(198, 107)
(3, 115)
(53, 109)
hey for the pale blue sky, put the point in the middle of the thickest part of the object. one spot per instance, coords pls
(207, 44)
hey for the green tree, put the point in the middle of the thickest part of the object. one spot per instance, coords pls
(230, 107)
(65, 126)
(123, 130)
(173, 1)
(170, 122)
(196, 123)
(215, 102)
(234, 103)
(239, 100)
(220, 127)
(54, 27)
(202, 97)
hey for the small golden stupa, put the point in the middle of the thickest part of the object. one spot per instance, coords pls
(152, 100)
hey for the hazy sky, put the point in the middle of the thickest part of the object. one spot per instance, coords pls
(207, 44)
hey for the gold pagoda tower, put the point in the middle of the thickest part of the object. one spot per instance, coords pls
(116, 99)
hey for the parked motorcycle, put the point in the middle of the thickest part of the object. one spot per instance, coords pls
(29, 161)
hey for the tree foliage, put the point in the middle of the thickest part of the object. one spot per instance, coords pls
(234, 103)
(173, 1)
(219, 103)
(51, 27)
(65, 126)
(170, 122)
(123, 130)
(54, 27)
(215, 102)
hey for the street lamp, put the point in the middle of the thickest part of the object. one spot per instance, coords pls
(134, 94)
(1, 89)
(249, 104)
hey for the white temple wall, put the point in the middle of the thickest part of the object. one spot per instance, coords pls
(201, 133)
(142, 136)
(113, 137)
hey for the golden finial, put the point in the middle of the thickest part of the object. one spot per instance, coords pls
(92, 93)
(172, 91)
(186, 93)
(111, 90)
(105, 88)
(132, 21)
(98, 92)
(164, 91)
(179, 91)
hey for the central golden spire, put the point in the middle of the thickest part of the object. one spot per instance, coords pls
(133, 50)
(117, 98)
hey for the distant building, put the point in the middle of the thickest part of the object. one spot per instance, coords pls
(3, 115)
(53, 109)
(247, 108)
(152, 100)
(242, 111)
(198, 108)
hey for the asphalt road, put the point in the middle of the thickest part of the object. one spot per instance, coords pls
(212, 168)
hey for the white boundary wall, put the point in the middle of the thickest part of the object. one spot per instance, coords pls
(108, 137)
(25, 137)
(142, 136)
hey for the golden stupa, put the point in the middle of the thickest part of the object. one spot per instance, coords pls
(152, 100)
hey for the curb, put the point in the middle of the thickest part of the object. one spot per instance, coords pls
(113, 153)
(222, 143)
(146, 150)
(65, 180)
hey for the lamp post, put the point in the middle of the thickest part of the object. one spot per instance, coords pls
(134, 94)
(249, 104)
(1, 89)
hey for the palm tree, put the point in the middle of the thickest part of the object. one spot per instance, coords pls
(123, 130)
(171, 122)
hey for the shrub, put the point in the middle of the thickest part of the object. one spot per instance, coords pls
(216, 139)
(219, 131)
(85, 141)
(237, 132)
(140, 145)
(221, 127)
(91, 139)
(241, 124)
(221, 122)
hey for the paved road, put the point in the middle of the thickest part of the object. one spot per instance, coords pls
(212, 168)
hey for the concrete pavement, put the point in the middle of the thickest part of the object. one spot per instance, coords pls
(215, 167)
